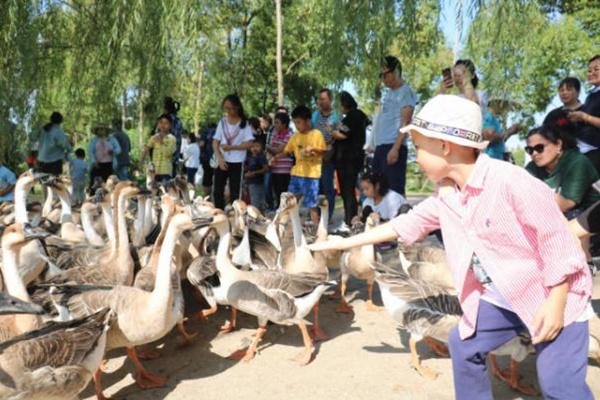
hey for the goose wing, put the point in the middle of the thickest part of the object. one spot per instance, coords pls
(56, 344)
(295, 285)
(270, 304)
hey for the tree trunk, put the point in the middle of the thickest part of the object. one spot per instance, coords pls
(198, 99)
(123, 109)
(280, 95)
(141, 118)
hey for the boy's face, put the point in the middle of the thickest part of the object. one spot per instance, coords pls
(303, 125)
(567, 94)
(256, 148)
(430, 156)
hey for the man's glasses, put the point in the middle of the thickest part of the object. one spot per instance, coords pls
(538, 148)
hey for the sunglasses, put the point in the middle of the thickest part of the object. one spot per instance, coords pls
(538, 148)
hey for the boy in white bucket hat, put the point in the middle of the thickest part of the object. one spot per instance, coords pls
(513, 260)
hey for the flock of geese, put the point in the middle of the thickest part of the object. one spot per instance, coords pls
(77, 283)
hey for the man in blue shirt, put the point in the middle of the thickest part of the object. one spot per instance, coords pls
(7, 184)
(398, 104)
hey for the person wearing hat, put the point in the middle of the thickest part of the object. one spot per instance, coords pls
(515, 264)
(397, 106)
(102, 152)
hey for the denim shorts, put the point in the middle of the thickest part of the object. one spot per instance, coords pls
(308, 187)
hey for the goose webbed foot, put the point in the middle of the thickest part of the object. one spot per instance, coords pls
(186, 338)
(144, 378)
(372, 307)
(204, 314)
(344, 307)
(438, 348)
(318, 334)
(304, 357)
(230, 325)
(512, 377)
(415, 362)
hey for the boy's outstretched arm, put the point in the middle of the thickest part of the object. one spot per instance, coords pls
(381, 233)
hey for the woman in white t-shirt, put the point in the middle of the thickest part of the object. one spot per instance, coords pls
(379, 198)
(191, 157)
(230, 144)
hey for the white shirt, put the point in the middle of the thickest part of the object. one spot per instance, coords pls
(388, 206)
(237, 136)
(191, 155)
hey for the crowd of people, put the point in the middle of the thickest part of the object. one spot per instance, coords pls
(327, 150)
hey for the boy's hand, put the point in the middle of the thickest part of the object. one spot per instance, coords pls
(335, 243)
(226, 147)
(549, 319)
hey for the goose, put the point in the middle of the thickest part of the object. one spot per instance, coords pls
(427, 263)
(331, 258)
(270, 295)
(145, 280)
(429, 311)
(14, 238)
(423, 309)
(31, 262)
(108, 266)
(55, 362)
(263, 226)
(356, 262)
(255, 250)
(140, 317)
(301, 260)
(68, 230)
(89, 211)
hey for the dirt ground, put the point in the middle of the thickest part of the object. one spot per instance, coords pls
(367, 357)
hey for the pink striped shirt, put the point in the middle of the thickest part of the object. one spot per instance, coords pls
(281, 165)
(513, 224)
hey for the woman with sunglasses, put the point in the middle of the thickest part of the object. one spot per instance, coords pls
(557, 161)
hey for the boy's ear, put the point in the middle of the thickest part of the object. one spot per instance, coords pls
(446, 147)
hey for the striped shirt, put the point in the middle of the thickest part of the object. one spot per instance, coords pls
(281, 165)
(512, 222)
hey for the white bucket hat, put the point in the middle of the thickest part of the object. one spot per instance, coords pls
(451, 118)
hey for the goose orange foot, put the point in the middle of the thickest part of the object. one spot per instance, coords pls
(186, 338)
(148, 380)
(512, 378)
(318, 334)
(227, 327)
(344, 308)
(438, 348)
(372, 307)
(304, 357)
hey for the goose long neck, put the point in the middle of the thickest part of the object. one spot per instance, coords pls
(369, 249)
(109, 224)
(10, 273)
(66, 213)
(223, 260)
(121, 228)
(139, 222)
(21, 204)
(148, 221)
(16, 287)
(299, 240)
(48, 202)
(162, 283)
(323, 222)
(88, 228)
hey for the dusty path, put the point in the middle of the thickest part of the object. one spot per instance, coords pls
(366, 358)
